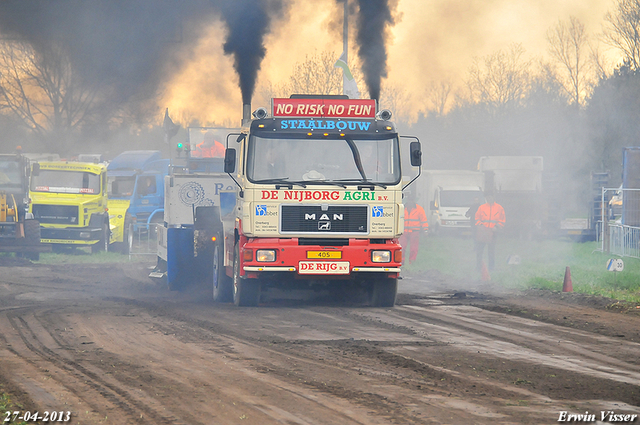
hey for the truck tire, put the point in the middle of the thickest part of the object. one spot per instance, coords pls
(384, 291)
(222, 284)
(246, 292)
(32, 237)
(32, 232)
(103, 243)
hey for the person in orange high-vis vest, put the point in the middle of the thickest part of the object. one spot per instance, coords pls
(415, 222)
(490, 219)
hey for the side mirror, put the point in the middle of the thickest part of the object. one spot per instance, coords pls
(415, 154)
(230, 160)
(36, 169)
(432, 205)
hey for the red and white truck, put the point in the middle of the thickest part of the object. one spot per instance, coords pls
(319, 201)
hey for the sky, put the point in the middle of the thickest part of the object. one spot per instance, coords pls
(176, 48)
(430, 41)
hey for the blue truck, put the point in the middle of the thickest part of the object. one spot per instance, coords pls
(136, 195)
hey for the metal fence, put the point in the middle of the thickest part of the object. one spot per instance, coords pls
(143, 239)
(621, 235)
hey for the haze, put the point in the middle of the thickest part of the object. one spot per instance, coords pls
(431, 41)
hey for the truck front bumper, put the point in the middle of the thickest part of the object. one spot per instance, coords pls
(72, 236)
(320, 261)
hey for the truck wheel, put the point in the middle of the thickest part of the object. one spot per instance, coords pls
(222, 284)
(32, 232)
(32, 238)
(384, 292)
(246, 292)
(103, 243)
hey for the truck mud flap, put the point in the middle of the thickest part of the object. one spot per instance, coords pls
(180, 260)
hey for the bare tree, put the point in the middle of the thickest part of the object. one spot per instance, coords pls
(317, 74)
(268, 90)
(602, 67)
(500, 80)
(437, 95)
(623, 30)
(569, 47)
(395, 99)
(41, 92)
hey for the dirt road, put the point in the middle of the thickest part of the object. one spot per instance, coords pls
(111, 346)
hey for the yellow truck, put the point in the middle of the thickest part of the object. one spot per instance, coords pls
(69, 199)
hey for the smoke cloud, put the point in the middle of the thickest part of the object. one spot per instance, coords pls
(175, 49)
(374, 16)
(125, 44)
(248, 22)
(133, 45)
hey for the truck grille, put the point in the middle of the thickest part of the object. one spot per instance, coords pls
(335, 219)
(56, 214)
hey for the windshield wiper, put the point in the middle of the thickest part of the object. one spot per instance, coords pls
(356, 157)
(365, 182)
(331, 182)
(280, 182)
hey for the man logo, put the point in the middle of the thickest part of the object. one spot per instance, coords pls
(324, 225)
(336, 217)
(377, 211)
(261, 210)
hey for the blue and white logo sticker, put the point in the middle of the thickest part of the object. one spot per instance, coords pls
(377, 211)
(261, 210)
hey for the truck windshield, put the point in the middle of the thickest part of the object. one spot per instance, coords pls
(324, 160)
(10, 174)
(59, 181)
(121, 186)
(458, 198)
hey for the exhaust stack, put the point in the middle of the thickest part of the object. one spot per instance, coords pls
(246, 114)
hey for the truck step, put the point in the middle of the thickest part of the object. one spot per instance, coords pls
(157, 275)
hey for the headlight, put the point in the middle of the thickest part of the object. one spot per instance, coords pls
(266, 255)
(381, 256)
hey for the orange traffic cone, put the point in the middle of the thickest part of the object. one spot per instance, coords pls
(567, 286)
(485, 273)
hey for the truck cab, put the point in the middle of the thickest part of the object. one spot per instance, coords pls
(319, 201)
(136, 194)
(447, 195)
(450, 205)
(69, 199)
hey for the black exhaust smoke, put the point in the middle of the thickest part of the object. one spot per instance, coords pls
(121, 44)
(248, 22)
(373, 18)
(127, 45)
